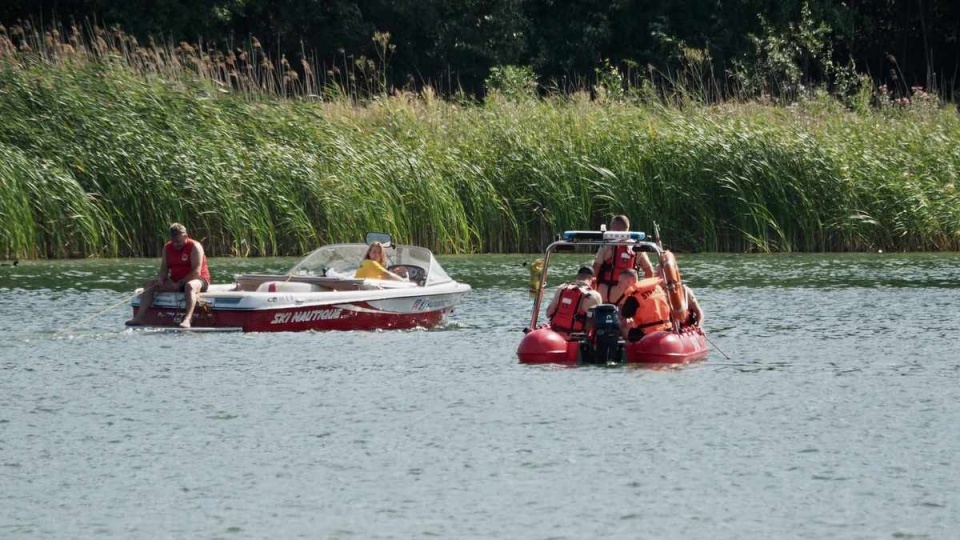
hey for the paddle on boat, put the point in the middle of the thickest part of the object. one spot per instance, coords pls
(320, 293)
(601, 341)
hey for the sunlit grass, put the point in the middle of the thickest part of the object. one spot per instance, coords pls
(97, 156)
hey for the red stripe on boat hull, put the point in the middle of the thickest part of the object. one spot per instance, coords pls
(298, 319)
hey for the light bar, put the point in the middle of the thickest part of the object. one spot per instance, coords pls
(605, 236)
(614, 236)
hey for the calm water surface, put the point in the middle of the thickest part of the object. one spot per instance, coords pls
(834, 416)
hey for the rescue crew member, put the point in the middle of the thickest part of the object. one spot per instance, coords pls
(610, 261)
(374, 265)
(694, 311)
(627, 279)
(183, 268)
(645, 308)
(568, 309)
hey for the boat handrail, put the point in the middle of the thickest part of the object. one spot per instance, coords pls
(605, 236)
(573, 239)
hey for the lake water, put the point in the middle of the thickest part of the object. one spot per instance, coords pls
(836, 414)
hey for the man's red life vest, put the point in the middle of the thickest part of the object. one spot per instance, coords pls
(179, 263)
(653, 307)
(624, 258)
(569, 317)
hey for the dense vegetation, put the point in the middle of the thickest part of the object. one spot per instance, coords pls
(102, 143)
(750, 46)
(105, 140)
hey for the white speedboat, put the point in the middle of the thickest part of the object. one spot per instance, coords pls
(320, 293)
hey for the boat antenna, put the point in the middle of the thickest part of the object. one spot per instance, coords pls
(656, 235)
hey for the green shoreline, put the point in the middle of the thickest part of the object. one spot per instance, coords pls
(96, 160)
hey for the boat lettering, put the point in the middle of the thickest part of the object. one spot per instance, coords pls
(426, 304)
(306, 316)
(176, 316)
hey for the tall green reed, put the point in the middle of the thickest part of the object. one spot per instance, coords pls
(98, 156)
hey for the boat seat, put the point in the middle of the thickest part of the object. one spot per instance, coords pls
(288, 286)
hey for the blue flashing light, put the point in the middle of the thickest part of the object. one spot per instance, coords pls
(605, 236)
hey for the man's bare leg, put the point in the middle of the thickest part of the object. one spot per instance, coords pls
(146, 300)
(190, 291)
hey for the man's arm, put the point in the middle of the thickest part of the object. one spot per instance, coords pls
(627, 312)
(552, 308)
(593, 299)
(643, 261)
(164, 272)
(599, 259)
(693, 305)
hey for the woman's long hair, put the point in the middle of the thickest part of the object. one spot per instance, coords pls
(382, 259)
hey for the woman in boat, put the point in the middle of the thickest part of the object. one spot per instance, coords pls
(374, 265)
(611, 261)
(568, 309)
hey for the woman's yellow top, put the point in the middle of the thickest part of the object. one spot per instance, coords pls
(371, 269)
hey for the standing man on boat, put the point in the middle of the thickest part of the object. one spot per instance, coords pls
(183, 268)
(568, 309)
(611, 261)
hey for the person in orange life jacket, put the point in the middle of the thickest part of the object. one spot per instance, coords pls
(625, 280)
(183, 268)
(644, 308)
(610, 261)
(568, 309)
(694, 311)
(374, 265)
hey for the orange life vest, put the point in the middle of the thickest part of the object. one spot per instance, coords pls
(653, 308)
(569, 317)
(623, 259)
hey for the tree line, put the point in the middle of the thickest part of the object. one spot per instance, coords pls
(729, 47)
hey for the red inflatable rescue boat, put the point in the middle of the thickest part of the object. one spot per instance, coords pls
(601, 342)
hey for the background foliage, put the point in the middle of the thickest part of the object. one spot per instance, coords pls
(106, 137)
(757, 45)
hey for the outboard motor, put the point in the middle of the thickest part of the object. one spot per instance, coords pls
(602, 345)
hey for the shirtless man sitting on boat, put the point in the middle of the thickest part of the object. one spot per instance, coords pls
(568, 309)
(183, 268)
(611, 261)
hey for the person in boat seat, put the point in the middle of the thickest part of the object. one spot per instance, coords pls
(568, 309)
(694, 311)
(374, 265)
(644, 308)
(610, 261)
(183, 268)
(625, 280)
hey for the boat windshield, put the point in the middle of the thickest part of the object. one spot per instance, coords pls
(342, 260)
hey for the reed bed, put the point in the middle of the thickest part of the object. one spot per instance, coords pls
(97, 156)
